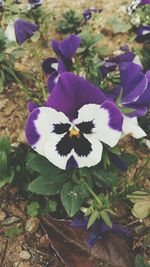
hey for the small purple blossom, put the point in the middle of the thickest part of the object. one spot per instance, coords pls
(65, 51)
(143, 34)
(87, 14)
(20, 30)
(35, 3)
(74, 123)
(98, 229)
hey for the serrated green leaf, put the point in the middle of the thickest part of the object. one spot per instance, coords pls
(105, 178)
(7, 178)
(118, 25)
(140, 262)
(72, 196)
(33, 208)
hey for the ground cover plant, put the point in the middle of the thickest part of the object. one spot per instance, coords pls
(75, 125)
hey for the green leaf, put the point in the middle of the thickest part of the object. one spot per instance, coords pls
(106, 179)
(72, 196)
(33, 208)
(129, 159)
(13, 231)
(5, 144)
(7, 178)
(106, 218)
(41, 165)
(95, 214)
(46, 184)
(52, 205)
(140, 262)
(118, 25)
(3, 160)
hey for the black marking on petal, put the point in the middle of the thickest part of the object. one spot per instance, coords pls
(80, 144)
(61, 128)
(86, 127)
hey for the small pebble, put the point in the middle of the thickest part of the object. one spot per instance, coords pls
(32, 225)
(44, 241)
(25, 255)
(24, 264)
(2, 215)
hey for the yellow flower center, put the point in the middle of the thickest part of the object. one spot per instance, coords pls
(74, 132)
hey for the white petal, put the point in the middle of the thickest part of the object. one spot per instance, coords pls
(44, 126)
(10, 32)
(94, 156)
(101, 118)
(130, 126)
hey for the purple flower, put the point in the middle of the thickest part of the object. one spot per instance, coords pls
(111, 64)
(20, 30)
(35, 3)
(77, 119)
(98, 229)
(134, 92)
(87, 14)
(143, 34)
(65, 51)
(145, 2)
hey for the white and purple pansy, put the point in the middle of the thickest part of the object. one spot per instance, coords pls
(77, 119)
(143, 34)
(20, 30)
(65, 51)
(135, 3)
(35, 3)
(135, 94)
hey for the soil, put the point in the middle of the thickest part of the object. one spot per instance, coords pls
(13, 115)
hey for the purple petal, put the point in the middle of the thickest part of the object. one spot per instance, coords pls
(52, 80)
(30, 128)
(55, 46)
(69, 46)
(126, 57)
(143, 33)
(118, 162)
(48, 65)
(138, 112)
(145, 2)
(71, 93)
(115, 116)
(31, 106)
(71, 163)
(24, 30)
(80, 222)
(88, 12)
(133, 82)
(61, 66)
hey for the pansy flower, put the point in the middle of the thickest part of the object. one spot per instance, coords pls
(20, 30)
(77, 119)
(143, 34)
(65, 51)
(135, 3)
(35, 3)
(112, 63)
(133, 93)
(98, 229)
(87, 14)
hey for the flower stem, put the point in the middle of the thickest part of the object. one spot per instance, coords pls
(92, 192)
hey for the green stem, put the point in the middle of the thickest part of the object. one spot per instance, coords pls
(43, 89)
(92, 192)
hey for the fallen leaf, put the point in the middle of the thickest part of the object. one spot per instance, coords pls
(71, 246)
